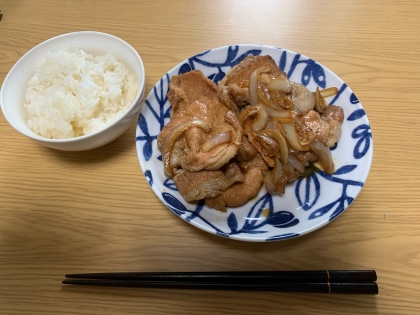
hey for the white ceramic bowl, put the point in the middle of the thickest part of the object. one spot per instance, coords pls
(13, 90)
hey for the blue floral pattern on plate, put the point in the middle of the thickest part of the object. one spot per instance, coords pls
(309, 203)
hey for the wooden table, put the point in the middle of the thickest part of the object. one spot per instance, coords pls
(63, 212)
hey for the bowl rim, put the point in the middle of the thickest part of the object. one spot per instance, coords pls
(33, 135)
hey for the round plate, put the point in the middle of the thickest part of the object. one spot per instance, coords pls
(309, 203)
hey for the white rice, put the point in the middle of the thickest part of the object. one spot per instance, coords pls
(74, 93)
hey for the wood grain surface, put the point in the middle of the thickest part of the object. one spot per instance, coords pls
(72, 212)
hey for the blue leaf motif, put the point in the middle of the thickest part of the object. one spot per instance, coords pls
(334, 147)
(203, 53)
(282, 219)
(345, 169)
(341, 208)
(294, 222)
(232, 52)
(363, 144)
(148, 175)
(361, 148)
(174, 204)
(147, 150)
(184, 68)
(295, 62)
(211, 76)
(306, 75)
(255, 52)
(283, 59)
(223, 234)
(232, 222)
(159, 158)
(358, 113)
(196, 212)
(323, 210)
(340, 91)
(353, 99)
(219, 76)
(282, 236)
(142, 123)
(311, 185)
(319, 75)
(256, 232)
(169, 183)
(254, 215)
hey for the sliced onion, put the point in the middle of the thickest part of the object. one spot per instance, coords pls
(291, 134)
(232, 119)
(281, 115)
(320, 104)
(324, 156)
(247, 112)
(275, 182)
(176, 156)
(281, 184)
(253, 81)
(302, 98)
(265, 78)
(260, 120)
(278, 170)
(329, 92)
(280, 177)
(290, 173)
(173, 136)
(275, 134)
(270, 147)
(217, 140)
(281, 84)
(271, 124)
(269, 183)
(296, 163)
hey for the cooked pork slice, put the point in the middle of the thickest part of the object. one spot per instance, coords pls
(325, 128)
(224, 97)
(240, 192)
(268, 152)
(246, 151)
(202, 184)
(334, 112)
(205, 148)
(240, 95)
(240, 73)
(189, 87)
(235, 85)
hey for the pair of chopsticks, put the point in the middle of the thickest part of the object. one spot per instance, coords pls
(317, 281)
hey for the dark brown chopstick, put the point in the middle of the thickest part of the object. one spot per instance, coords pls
(354, 288)
(249, 277)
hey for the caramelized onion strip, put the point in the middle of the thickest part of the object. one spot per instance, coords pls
(172, 137)
(329, 92)
(272, 133)
(260, 120)
(324, 156)
(297, 165)
(253, 81)
(279, 114)
(292, 136)
(320, 104)
(217, 140)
